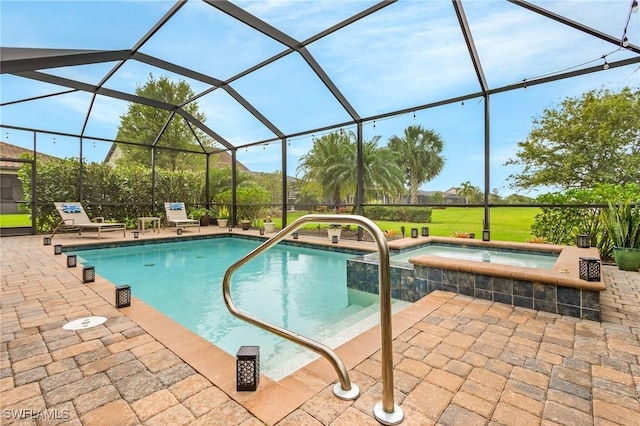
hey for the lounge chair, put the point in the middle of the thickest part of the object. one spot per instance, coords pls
(176, 214)
(73, 217)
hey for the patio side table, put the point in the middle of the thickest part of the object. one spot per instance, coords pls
(153, 221)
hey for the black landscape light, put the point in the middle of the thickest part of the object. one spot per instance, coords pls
(88, 274)
(248, 368)
(589, 268)
(123, 296)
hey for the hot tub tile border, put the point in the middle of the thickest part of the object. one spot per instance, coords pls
(411, 282)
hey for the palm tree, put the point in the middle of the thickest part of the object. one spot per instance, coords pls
(220, 179)
(332, 162)
(467, 191)
(380, 171)
(309, 193)
(420, 156)
(319, 164)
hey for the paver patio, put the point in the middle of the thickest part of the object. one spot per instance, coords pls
(458, 360)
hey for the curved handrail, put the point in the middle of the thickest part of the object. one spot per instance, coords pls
(386, 411)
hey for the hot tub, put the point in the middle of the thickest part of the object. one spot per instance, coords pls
(558, 289)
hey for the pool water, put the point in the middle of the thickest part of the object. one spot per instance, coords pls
(300, 289)
(482, 254)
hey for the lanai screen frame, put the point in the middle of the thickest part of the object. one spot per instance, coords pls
(25, 62)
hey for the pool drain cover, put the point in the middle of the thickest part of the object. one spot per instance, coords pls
(82, 323)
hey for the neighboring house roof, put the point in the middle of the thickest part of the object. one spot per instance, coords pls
(450, 193)
(290, 179)
(12, 151)
(224, 158)
(453, 191)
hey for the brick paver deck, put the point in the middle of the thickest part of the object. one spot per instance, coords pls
(458, 361)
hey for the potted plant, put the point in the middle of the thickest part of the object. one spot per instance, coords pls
(334, 229)
(269, 226)
(223, 216)
(622, 222)
(245, 224)
(202, 214)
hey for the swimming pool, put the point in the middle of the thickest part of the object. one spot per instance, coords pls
(298, 288)
(538, 260)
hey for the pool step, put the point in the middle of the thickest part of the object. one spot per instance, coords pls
(349, 326)
(359, 321)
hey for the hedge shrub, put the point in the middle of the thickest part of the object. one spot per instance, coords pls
(399, 214)
(120, 194)
(561, 225)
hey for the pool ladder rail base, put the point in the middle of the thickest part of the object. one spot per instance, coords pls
(346, 395)
(393, 418)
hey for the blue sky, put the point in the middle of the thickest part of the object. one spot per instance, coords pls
(409, 53)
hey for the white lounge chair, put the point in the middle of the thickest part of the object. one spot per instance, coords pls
(176, 214)
(73, 217)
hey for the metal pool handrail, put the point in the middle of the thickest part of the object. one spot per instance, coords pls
(386, 411)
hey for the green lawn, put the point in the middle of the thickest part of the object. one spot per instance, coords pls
(507, 223)
(14, 220)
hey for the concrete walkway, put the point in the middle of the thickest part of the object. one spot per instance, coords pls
(463, 361)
